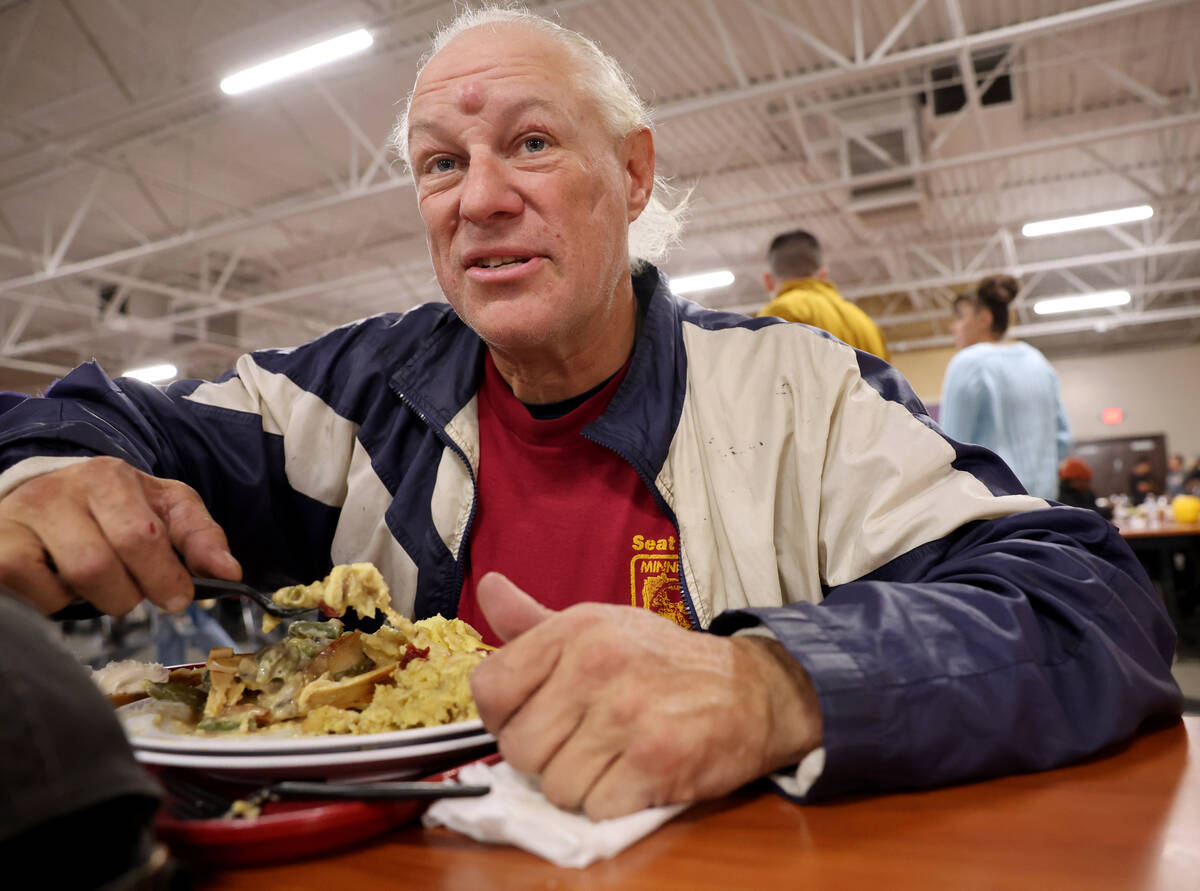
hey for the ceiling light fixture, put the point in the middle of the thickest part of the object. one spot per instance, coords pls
(301, 60)
(1088, 221)
(1077, 302)
(152, 374)
(703, 281)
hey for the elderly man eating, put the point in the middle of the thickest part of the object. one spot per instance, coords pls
(714, 548)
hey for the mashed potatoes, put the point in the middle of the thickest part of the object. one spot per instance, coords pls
(322, 679)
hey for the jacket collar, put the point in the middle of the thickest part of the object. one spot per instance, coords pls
(443, 376)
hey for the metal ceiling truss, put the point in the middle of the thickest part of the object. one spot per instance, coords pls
(913, 281)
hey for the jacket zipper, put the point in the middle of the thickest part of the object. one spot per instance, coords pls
(670, 515)
(440, 433)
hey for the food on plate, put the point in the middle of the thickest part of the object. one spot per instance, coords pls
(357, 585)
(125, 681)
(322, 679)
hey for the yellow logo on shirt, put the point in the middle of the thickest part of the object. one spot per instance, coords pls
(654, 578)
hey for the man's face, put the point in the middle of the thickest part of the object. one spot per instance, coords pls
(526, 197)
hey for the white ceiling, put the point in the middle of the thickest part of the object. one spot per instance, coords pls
(146, 216)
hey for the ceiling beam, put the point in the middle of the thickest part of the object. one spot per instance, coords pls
(984, 157)
(922, 55)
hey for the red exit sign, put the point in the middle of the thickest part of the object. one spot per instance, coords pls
(1112, 416)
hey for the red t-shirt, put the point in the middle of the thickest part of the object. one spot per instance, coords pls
(566, 519)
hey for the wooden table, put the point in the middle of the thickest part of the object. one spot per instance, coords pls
(1128, 820)
(1157, 546)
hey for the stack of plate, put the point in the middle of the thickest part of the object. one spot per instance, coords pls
(264, 756)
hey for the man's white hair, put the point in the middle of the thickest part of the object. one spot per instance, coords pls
(659, 226)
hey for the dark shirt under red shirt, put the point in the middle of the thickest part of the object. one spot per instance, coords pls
(565, 519)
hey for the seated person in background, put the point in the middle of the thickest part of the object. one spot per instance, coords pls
(714, 548)
(1075, 486)
(1141, 481)
(802, 291)
(1176, 475)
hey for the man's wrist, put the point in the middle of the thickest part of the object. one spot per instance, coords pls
(794, 723)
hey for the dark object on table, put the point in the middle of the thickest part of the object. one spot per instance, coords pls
(191, 798)
(76, 806)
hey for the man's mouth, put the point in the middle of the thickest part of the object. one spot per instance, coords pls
(499, 262)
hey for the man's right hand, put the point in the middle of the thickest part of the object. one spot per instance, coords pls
(110, 534)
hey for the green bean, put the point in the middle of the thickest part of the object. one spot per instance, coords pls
(172, 691)
(223, 725)
(327, 631)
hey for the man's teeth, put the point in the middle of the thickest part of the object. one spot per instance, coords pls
(494, 262)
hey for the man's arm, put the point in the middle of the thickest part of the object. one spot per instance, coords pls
(1016, 644)
(240, 453)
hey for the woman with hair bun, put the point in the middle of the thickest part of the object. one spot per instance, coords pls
(1002, 393)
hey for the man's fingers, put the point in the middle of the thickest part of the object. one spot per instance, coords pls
(24, 571)
(192, 530)
(85, 561)
(503, 682)
(509, 610)
(620, 790)
(139, 537)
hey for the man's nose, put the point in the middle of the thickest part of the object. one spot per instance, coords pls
(488, 191)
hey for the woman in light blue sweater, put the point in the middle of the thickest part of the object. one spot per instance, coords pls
(1001, 393)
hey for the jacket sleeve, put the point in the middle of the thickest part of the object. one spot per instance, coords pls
(1024, 638)
(235, 458)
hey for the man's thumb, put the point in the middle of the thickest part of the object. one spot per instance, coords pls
(508, 609)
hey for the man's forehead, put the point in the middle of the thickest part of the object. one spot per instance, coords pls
(504, 51)
(518, 71)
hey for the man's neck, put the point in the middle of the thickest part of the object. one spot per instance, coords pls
(558, 371)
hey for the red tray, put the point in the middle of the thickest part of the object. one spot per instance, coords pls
(289, 830)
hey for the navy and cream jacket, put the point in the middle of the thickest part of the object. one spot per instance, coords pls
(954, 627)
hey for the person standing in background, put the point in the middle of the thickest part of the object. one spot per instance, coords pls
(1002, 394)
(803, 293)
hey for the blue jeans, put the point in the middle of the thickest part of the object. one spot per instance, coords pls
(195, 627)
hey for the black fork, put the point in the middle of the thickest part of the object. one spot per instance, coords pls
(206, 589)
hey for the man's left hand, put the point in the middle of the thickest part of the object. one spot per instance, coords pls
(619, 709)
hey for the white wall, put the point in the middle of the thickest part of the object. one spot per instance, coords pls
(1158, 390)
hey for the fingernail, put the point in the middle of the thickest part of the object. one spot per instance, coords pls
(178, 604)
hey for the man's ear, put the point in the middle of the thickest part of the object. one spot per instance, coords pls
(637, 155)
(823, 274)
(769, 283)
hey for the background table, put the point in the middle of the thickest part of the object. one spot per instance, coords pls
(1128, 820)
(1156, 547)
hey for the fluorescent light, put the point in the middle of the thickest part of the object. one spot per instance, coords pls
(1088, 221)
(153, 373)
(301, 60)
(1074, 303)
(703, 281)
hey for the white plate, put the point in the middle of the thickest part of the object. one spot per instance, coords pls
(389, 761)
(138, 720)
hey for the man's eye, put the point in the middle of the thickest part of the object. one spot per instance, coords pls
(535, 144)
(442, 165)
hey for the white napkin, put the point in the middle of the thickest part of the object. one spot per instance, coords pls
(516, 813)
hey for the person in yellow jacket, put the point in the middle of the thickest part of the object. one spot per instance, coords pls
(803, 293)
